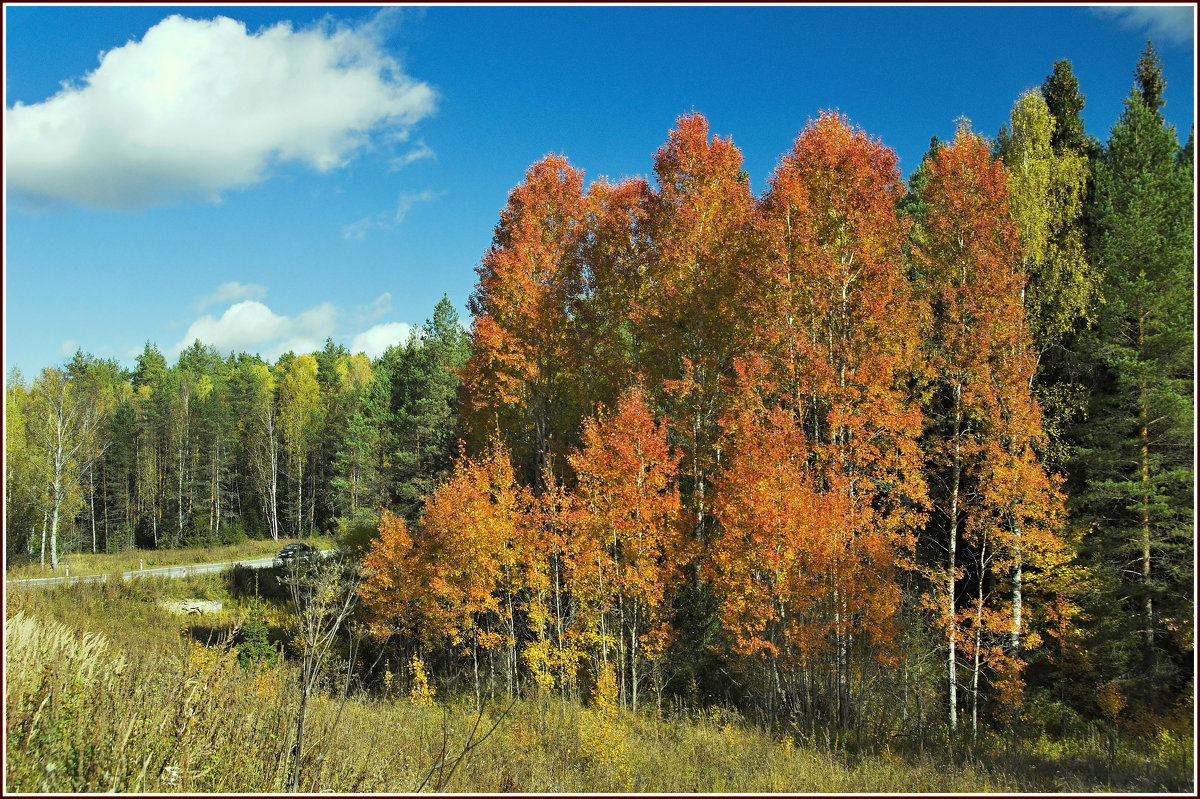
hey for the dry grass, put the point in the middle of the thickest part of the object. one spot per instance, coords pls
(85, 563)
(107, 691)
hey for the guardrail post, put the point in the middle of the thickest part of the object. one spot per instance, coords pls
(67, 566)
(141, 564)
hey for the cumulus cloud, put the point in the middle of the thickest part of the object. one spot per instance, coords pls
(250, 326)
(200, 106)
(378, 338)
(1173, 25)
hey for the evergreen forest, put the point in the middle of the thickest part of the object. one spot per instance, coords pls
(860, 457)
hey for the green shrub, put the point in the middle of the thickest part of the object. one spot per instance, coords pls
(358, 531)
(1052, 717)
(254, 647)
(234, 534)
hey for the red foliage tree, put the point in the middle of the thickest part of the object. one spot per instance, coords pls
(393, 592)
(841, 329)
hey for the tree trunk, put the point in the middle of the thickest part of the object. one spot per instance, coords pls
(1148, 601)
(1014, 641)
(179, 495)
(633, 662)
(92, 503)
(952, 566)
(54, 532)
(298, 747)
(978, 644)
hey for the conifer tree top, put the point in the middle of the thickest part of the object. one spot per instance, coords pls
(1150, 79)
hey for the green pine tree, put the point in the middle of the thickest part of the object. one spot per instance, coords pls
(1134, 470)
(425, 416)
(1061, 92)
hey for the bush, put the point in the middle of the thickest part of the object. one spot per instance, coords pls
(234, 533)
(1052, 717)
(357, 532)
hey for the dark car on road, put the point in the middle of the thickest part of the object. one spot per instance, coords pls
(295, 551)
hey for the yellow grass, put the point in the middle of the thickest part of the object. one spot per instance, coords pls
(85, 563)
(107, 691)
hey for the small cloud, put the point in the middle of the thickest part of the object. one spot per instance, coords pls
(69, 347)
(364, 315)
(232, 292)
(357, 231)
(374, 341)
(420, 152)
(1172, 25)
(382, 304)
(407, 201)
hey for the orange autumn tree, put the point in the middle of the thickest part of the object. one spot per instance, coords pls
(519, 381)
(474, 537)
(628, 535)
(842, 330)
(616, 256)
(693, 316)
(991, 493)
(777, 560)
(396, 576)
(554, 650)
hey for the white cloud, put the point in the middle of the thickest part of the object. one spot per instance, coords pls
(378, 338)
(381, 305)
(378, 307)
(1173, 25)
(200, 106)
(407, 200)
(404, 203)
(231, 292)
(250, 326)
(418, 153)
(358, 230)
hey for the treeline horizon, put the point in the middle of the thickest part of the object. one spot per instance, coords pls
(853, 452)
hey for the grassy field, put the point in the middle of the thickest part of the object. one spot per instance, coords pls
(107, 690)
(82, 563)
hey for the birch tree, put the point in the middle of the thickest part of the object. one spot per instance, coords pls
(63, 432)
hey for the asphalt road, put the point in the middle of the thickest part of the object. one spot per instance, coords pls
(167, 571)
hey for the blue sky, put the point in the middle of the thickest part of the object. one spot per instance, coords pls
(304, 172)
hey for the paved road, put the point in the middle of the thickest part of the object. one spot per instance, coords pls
(168, 571)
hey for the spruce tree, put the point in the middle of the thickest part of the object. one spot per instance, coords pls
(1061, 92)
(1134, 469)
(1150, 80)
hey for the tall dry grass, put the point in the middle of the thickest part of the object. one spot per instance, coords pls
(109, 692)
(86, 563)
